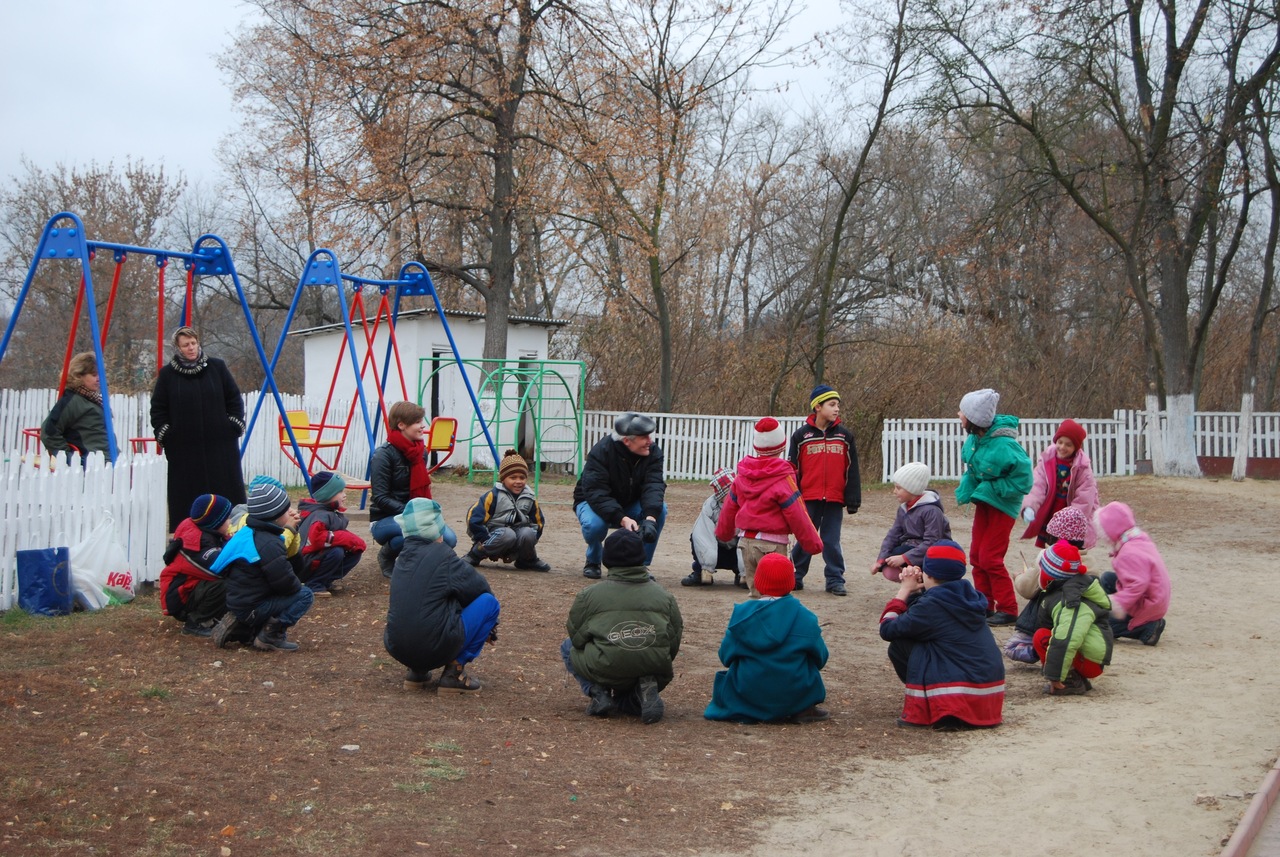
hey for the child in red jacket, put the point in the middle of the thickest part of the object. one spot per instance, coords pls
(826, 461)
(764, 507)
(329, 550)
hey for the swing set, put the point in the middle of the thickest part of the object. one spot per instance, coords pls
(63, 239)
(297, 430)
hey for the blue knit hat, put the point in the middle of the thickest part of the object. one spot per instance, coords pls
(264, 480)
(820, 394)
(209, 511)
(944, 560)
(327, 485)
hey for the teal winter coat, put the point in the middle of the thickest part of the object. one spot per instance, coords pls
(997, 469)
(774, 652)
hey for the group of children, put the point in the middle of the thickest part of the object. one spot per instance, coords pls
(249, 574)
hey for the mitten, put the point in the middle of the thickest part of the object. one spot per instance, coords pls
(1028, 514)
(852, 510)
(648, 531)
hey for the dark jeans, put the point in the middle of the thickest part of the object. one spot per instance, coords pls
(828, 518)
(334, 564)
(1120, 627)
(900, 656)
(285, 609)
(565, 648)
(386, 532)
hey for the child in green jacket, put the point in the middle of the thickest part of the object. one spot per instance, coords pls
(997, 476)
(1074, 639)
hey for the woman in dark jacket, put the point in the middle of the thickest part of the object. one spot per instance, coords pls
(77, 419)
(198, 416)
(398, 474)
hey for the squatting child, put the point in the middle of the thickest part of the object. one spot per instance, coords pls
(764, 506)
(506, 522)
(1139, 581)
(1067, 525)
(709, 553)
(920, 522)
(774, 654)
(825, 457)
(329, 549)
(265, 598)
(1073, 639)
(189, 591)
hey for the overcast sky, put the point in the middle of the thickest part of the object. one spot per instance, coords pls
(106, 80)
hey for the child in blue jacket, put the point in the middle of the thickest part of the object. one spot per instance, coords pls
(774, 652)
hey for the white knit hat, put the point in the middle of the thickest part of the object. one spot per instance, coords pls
(768, 439)
(913, 477)
(979, 407)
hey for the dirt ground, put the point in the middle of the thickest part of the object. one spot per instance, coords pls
(125, 737)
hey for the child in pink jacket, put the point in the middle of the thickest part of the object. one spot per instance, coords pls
(1063, 477)
(764, 506)
(1139, 582)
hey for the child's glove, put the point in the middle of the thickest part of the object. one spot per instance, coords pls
(648, 531)
(1028, 514)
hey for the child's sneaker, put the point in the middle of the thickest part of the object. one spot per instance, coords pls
(534, 564)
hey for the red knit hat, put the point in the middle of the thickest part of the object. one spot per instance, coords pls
(768, 438)
(1071, 430)
(1059, 562)
(775, 575)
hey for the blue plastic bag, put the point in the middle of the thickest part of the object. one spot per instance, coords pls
(44, 581)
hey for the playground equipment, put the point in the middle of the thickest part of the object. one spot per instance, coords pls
(63, 239)
(323, 271)
(533, 406)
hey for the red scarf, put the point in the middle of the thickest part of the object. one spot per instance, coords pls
(415, 453)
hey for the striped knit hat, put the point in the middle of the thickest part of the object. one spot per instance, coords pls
(768, 438)
(944, 560)
(267, 502)
(512, 462)
(820, 394)
(1058, 562)
(209, 511)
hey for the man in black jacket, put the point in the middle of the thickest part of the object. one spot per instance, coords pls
(622, 486)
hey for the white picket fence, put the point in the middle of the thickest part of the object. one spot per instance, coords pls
(50, 503)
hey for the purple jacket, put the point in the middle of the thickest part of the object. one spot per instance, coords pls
(920, 526)
(1142, 585)
(1082, 492)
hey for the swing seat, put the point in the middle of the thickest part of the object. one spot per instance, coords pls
(441, 438)
(309, 436)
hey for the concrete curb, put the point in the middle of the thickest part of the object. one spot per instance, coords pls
(1255, 816)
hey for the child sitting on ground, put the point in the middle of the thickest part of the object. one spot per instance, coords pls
(441, 611)
(940, 645)
(1073, 640)
(189, 591)
(919, 523)
(329, 550)
(1139, 582)
(1063, 478)
(774, 652)
(709, 553)
(265, 598)
(1066, 525)
(764, 507)
(506, 522)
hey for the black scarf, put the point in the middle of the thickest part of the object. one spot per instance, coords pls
(189, 367)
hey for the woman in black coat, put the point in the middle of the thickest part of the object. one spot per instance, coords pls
(198, 417)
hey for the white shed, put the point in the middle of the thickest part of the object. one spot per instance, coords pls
(423, 345)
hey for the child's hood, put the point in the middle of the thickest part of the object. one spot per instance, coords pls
(765, 624)
(757, 476)
(1115, 519)
(928, 498)
(1004, 425)
(966, 605)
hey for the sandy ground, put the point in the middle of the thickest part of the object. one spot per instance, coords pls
(1161, 758)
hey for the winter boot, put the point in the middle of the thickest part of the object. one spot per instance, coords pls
(416, 680)
(197, 629)
(1073, 685)
(386, 562)
(272, 638)
(591, 571)
(473, 557)
(534, 564)
(602, 702)
(454, 680)
(227, 630)
(1151, 636)
(650, 702)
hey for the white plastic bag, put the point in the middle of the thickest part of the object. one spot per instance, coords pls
(100, 571)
